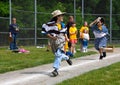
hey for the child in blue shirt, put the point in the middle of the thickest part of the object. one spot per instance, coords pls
(13, 31)
(100, 32)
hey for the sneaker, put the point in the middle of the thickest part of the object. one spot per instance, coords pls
(101, 57)
(104, 54)
(69, 61)
(70, 54)
(54, 73)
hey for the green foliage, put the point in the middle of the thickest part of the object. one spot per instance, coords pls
(24, 11)
(26, 5)
(4, 9)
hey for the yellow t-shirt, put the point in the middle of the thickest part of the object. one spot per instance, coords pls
(59, 26)
(73, 32)
(100, 28)
(66, 48)
(82, 30)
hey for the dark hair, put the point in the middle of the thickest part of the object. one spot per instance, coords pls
(102, 20)
(54, 19)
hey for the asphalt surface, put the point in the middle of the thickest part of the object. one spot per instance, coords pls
(40, 75)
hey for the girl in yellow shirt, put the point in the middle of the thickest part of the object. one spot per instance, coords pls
(73, 36)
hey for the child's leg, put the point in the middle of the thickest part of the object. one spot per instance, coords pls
(72, 48)
(59, 55)
(83, 46)
(58, 59)
(86, 45)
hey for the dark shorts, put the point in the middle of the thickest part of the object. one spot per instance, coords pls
(69, 44)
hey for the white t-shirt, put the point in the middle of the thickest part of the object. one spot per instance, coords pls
(86, 36)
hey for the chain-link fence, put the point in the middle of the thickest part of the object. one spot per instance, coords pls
(4, 22)
(30, 22)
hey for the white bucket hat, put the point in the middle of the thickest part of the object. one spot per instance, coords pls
(57, 12)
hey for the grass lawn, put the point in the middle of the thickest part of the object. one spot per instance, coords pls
(10, 61)
(109, 75)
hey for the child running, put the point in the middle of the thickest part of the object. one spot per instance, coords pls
(56, 35)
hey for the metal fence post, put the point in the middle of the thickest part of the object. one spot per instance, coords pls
(110, 21)
(82, 11)
(75, 10)
(10, 11)
(35, 1)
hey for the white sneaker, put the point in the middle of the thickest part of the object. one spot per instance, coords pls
(86, 50)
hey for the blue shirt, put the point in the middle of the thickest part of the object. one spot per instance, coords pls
(99, 33)
(12, 28)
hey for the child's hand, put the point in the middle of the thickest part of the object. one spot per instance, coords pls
(55, 38)
(98, 19)
(67, 39)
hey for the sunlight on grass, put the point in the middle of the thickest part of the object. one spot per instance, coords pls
(109, 75)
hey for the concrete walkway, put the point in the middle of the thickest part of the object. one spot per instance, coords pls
(41, 75)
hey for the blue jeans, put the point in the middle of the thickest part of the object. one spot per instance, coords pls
(85, 43)
(59, 55)
(13, 43)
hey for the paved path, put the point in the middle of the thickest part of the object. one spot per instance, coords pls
(40, 75)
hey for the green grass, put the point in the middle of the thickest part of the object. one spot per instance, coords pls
(10, 61)
(109, 75)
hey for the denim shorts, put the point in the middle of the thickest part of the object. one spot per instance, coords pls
(100, 42)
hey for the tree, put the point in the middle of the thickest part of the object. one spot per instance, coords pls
(4, 9)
